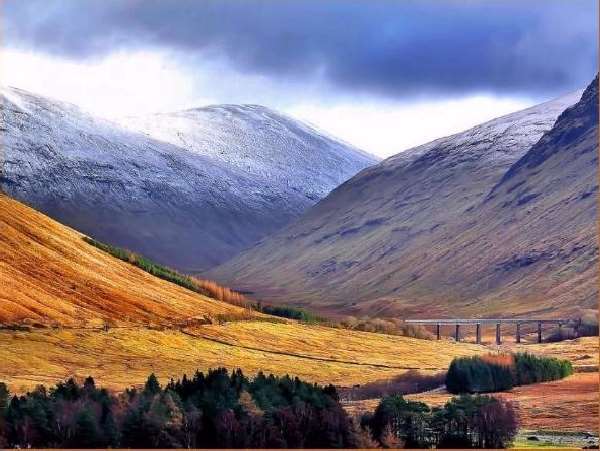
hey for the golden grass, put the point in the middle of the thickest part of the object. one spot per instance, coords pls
(49, 275)
(581, 352)
(322, 342)
(121, 357)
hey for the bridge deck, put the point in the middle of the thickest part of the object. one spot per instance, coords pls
(461, 321)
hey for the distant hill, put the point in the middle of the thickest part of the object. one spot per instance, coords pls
(188, 189)
(480, 223)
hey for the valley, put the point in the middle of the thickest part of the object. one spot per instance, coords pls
(299, 225)
(81, 312)
(71, 306)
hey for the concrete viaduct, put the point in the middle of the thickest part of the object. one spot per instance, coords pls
(498, 322)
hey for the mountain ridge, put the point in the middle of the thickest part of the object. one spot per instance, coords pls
(389, 240)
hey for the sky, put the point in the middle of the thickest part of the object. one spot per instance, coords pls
(382, 75)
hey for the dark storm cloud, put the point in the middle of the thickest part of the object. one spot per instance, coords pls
(387, 47)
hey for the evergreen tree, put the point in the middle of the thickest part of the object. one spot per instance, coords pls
(152, 387)
(86, 434)
(4, 398)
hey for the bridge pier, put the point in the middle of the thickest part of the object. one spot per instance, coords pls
(479, 322)
(560, 331)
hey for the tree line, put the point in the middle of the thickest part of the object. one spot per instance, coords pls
(206, 287)
(463, 422)
(228, 410)
(492, 373)
(214, 410)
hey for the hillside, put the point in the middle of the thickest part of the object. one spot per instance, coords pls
(49, 276)
(58, 292)
(420, 235)
(207, 182)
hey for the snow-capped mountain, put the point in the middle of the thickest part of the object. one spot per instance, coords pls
(267, 146)
(419, 234)
(188, 189)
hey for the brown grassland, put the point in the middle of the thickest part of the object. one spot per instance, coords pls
(49, 275)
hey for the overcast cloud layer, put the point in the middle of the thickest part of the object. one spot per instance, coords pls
(390, 48)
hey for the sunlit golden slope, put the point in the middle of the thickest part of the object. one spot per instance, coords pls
(125, 356)
(49, 275)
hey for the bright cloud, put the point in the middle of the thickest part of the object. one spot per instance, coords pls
(132, 83)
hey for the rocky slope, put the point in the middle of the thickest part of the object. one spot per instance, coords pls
(475, 224)
(191, 191)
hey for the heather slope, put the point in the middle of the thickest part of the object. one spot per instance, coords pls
(189, 189)
(418, 235)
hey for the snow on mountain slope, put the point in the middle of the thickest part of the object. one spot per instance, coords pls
(410, 235)
(267, 145)
(249, 172)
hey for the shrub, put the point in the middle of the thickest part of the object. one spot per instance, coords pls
(205, 287)
(293, 313)
(410, 382)
(475, 375)
(585, 326)
(588, 324)
(530, 369)
(216, 291)
(145, 264)
(391, 326)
